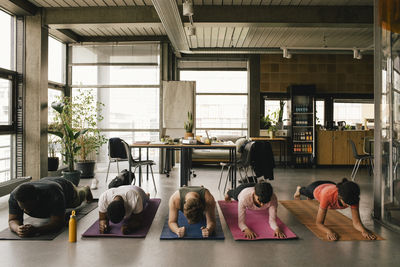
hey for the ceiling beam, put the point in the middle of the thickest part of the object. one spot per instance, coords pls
(299, 16)
(67, 36)
(92, 39)
(100, 15)
(19, 7)
(170, 17)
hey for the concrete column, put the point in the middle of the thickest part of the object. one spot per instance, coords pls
(253, 71)
(35, 97)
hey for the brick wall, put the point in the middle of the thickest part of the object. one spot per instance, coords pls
(330, 73)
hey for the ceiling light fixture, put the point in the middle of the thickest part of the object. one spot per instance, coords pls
(286, 53)
(357, 53)
(189, 12)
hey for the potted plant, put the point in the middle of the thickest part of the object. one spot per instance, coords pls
(268, 124)
(69, 137)
(189, 125)
(86, 114)
(53, 160)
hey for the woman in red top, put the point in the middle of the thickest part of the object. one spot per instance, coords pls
(335, 196)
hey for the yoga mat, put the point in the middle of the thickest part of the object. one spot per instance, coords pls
(115, 229)
(193, 231)
(256, 220)
(306, 212)
(81, 212)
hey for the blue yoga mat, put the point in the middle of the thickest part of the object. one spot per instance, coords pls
(193, 231)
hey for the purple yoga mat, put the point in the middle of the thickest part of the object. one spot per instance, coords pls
(115, 229)
(256, 220)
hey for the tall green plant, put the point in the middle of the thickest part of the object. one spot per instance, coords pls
(86, 114)
(68, 135)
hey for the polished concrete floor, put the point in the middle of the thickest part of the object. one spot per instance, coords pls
(308, 250)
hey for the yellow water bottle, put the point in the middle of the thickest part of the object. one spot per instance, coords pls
(72, 227)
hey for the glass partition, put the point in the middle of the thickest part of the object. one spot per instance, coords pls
(387, 113)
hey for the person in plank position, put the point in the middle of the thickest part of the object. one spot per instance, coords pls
(255, 196)
(195, 202)
(335, 196)
(123, 202)
(45, 198)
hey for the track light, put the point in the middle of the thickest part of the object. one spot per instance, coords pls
(357, 54)
(286, 53)
(188, 8)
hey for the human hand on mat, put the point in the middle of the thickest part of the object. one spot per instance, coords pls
(249, 234)
(368, 235)
(332, 236)
(205, 231)
(181, 231)
(103, 226)
(279, 234)
(125, 230)
(25, 230)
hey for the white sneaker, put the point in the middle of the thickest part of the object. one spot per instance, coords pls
(94, 184)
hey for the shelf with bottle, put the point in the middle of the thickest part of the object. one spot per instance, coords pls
(303, 136)
(302, 109)
(303, 160)
(303, 148)
(302, 122)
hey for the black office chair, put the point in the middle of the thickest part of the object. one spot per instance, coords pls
(116, 153)
(139, 163)
(359, 158)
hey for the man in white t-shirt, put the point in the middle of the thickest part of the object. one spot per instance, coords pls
(123, 202)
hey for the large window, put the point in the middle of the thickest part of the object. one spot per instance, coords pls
(221, 101)
(7, 97)
(126, 79)
(352, 111)
(7, 57)
(56, 66)
(272, 107)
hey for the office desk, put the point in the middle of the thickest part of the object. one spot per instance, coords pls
(282, 146)
(186, 158)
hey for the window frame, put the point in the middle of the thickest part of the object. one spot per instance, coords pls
(218, 94)
(13, 77)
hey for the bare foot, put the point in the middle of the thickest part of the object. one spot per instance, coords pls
(296, 195)
(89, 196)
(148, 194)
(227, 198)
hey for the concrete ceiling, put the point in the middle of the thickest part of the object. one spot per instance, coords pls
(229, 25)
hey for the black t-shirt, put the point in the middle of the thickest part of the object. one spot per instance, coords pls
(54, 195)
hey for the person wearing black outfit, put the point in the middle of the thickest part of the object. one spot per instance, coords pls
(46, 198)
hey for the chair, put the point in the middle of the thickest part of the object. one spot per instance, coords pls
(359, 158)
(116, 153)
(139, 163)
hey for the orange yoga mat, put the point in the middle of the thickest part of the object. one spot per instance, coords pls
(306, 212)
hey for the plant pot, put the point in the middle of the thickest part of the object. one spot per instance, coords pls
(53, 163)
(271, 134)
(187, 135)
(86, 168)
(74, 176)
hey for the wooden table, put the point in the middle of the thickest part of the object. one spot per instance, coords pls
(186, 158)
(282, 146)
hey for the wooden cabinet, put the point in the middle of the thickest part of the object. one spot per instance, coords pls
(325, 147)
(333, 147)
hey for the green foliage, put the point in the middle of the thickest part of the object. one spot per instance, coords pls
(189, 123)
(269, 122)
(86, 114)
(76, 125)
(62, 128)
(280, 112)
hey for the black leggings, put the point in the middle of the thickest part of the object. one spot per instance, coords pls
(234, 193)
(308, 191)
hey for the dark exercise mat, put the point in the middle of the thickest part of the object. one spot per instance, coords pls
(193, 231)
(81, 212)
(115, 229)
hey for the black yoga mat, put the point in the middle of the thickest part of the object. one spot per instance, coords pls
(81, 212)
